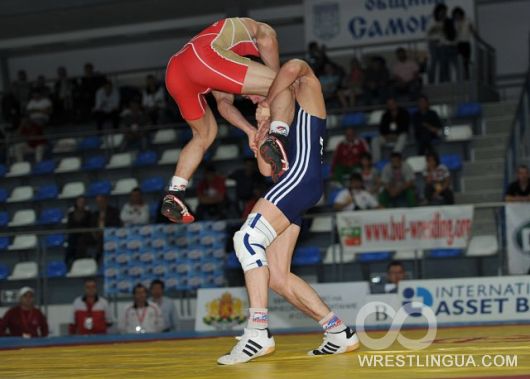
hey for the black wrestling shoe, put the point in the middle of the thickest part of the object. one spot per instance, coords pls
(274, 152)
(174, 208)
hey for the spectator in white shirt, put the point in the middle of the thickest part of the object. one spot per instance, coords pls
(153, 99)
(39, 108)
(136, 211)
(166, 305)
(141, 316)
(107, 106)
(464, 32)
(355, 197)
(406, 75)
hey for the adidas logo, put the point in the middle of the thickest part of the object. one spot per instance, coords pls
(252, 348)
(329, 348)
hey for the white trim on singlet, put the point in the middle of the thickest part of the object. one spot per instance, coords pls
(248, 33)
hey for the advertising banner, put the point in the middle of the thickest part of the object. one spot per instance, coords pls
(518, 237)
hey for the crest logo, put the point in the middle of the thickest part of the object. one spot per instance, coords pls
(326, 20)
(225, 312)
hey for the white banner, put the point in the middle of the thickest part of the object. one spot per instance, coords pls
(518, 237)
(347, 23)
(226, 308)
(469, 300)
(405, 228)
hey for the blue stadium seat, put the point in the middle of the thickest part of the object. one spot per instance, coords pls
(306, 256)
(468, 110)
(3, 170)
(146, 158)
(353, 119)
(4, 218)
(232, 262)
(381, 164)
(4, 243)
(3, 195)
(452, 161)
(101, 187)
(445, 253)
(153, 184)
(55, 240)
(4, 272)
(96, 162)
(56, 269)
(50, 216)
(46, 192)
(368, 136)
(44, 167)
(377, 256)
(89, 143)
(333, 195)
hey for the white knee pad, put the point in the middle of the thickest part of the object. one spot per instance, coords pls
(252, 240)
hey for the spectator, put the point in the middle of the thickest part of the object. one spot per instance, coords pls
(427, 125)
(355, 197)
(24, 319)
(317, 57)
(64, 89)
(437, 182)
(247, 179)
(91, 312)
(39, 108)
(393, 129)
(141, 316)
(330, 82)
(107, 106)
(34, 141)
(347, 156)
(91, 81)
(448, 51)
(370, 175)
(519, 190)
(136, 211)
(104, 216)
(353, 84)
(153, 99)
(79, 216)
(406, 75)
(134, 119)
(41, 86)
(434, 37)
(258, 192)
(211, 192)
(395, 273)
(398, 183)
(11, 111)
(166, 305)
(464, 31)
(21, 90)
(376, 78)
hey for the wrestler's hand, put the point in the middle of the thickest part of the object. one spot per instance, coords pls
(253, 141)
(263, 112)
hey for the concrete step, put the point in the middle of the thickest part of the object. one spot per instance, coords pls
(498, 124)
(490, 139)
(488, 153)
(474, 197)
(483, 167)
(484, 182)
(448, 93)
(483, 228)
(499, 108)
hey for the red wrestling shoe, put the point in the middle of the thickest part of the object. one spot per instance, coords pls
(274, 152)
(174, 208)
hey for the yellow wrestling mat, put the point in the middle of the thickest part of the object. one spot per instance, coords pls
(196, 358)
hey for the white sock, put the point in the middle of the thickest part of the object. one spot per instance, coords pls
(332, 323)
(178, 184)
(258, 318)
(279, 127)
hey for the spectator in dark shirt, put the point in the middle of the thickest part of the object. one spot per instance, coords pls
(104, 216)
(153, 99)
(41, 86)
(437, 182)
(330, 81)
(79, 216)
(393, 129)
(376, 79)
(395, 273)
(211, 193)
(21, 89)
(91, 81)
(24, 320)
(134, 119)
(64, 91)
(247, 179)
(316, 57)
(347, 156)
(519, 190)
(427, 126)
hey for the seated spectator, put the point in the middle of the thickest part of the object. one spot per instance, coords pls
(370, 175)
(34, 140)
(519, 190)
(39, 108)
(79, 216)
(406, 75)
(136, 211)
(353, 84)
(141, 316)
(107, 106)
(427, 125)
(24, 319)
(91, 313)
(166, 305)
(437, 182)
(64, 91)
(355, 197)
(395, 273)
(393, 129)
(330, 82)
(134, 119)
(347, 155)
(398, 183)
(376, 79)
(104, 216)
(153, 99)
(211, 192)
(247, 179)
